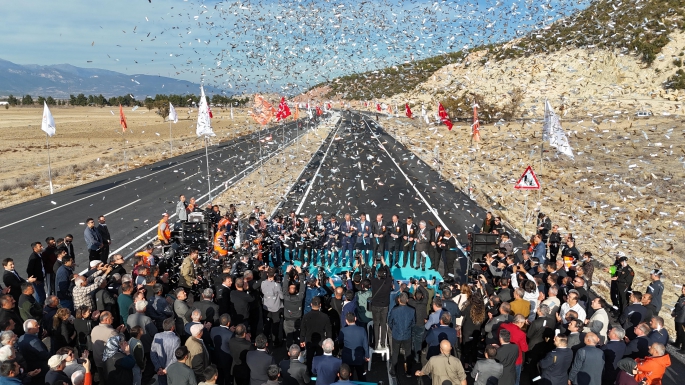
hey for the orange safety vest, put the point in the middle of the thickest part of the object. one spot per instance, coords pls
(220, 244)
(145, 256)
(223, 222)
(163, 235)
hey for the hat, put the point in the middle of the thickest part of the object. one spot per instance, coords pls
(95, 263)
(56, 360)
(196, 329)
(657, 272)
(621, 259)
(165, 215)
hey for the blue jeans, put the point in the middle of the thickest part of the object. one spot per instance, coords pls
(39, 291)
(518, 374)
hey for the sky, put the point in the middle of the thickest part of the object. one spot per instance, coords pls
(282, 46)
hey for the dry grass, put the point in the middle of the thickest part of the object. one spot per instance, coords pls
(89, 145)
(622, 193)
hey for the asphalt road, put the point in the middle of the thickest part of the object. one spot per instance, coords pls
(134, 201)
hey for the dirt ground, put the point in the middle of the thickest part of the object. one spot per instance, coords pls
(622, 193)
(89, 144)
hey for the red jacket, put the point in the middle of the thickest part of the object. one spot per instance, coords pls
(518, 337)
(652, 369)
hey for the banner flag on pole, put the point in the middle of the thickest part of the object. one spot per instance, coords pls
(318, 110)
(204, 125)
(444, 117)
(122, 118)
(296, 115)
(48, 125)
(475, 128)
(173, 116)
(262, 111)
(231, 111)
(407, 110)
(283, 110)
(553, 132)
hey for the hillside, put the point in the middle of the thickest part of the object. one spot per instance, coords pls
(639, 33)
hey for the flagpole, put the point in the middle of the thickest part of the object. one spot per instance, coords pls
(209, 183)
(171, 140)
(470, 164)
(47, 140)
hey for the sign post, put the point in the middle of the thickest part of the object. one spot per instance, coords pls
(527, 181)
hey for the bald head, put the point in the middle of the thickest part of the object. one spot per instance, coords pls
(445, 347)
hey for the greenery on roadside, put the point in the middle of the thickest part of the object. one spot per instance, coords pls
(461, 107)
(638, 27)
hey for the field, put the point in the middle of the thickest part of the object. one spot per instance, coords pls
(622, 193)
(89, 144)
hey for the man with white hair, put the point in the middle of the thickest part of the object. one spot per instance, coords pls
(198, 356)
(293, 372)
(140, 319)
(326, 367)
(552, 301)
(422, 243)
(6, 353)
(83, 377)
(33, 349)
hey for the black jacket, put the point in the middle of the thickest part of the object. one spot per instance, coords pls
(613, 353)
(241, 303)
(293, 372)
(239, 348)
(316, 327)
(258, 362)
(14, 283)
(209, 310)
(555, 366)
(678, 312)
(35, 267)
(380, 288)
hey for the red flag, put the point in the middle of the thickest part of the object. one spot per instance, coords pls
(329, 106)
(444, 117)
(283, 110)
(122, 118)
(318, 111)
(475, 132)
(210, 112)
(378, 106)
(407, 110)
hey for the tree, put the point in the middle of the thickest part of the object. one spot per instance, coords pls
(27, 100)
(72, 100)
(12, 100)
(50, 101)
(81, 100)
(91, 100)
(40, 100)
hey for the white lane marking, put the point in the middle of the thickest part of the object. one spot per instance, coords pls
(225, 187)
(136, 179)
(434, 211)
(189, 176)
(299, 207)
(114, 211)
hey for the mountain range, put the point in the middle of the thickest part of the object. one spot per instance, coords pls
(61, 80)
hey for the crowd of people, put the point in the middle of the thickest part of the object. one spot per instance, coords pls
(512, 319)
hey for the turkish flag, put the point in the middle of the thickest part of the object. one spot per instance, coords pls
(122, 118)
(318, 110)
(283, 110)
(407, 110)
(378, 106)
(444, 117)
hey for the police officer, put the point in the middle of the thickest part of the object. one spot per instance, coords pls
(553, 243)
(624, 281)
(656, 289)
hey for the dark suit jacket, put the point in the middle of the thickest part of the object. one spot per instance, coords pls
(326, 368)
(587, 366)
(222, 351)
(209, 310)
(507, 356)
(631, 317)
(638, 348)
(378, 230)
(239, 348)
(405, 233)
(422, 242)
(258, 362)
(613, 353)
(344, 230)
(554, 367)
(104, 233)
(393, 230)
(437, 335)
(293, 372)
(355, 345)
(10, 280)
(540, 329)
(35, 267)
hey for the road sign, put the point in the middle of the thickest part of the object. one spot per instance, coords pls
(528, 181)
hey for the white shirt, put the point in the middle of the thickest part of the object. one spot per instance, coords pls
(577, 308)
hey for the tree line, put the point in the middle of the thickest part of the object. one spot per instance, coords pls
(187, 100)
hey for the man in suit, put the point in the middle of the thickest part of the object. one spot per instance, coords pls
(93, 241)
(348, 229)
(106, 238)
(614, 350)
(36, 269)
(439, 334)
(332, 241)
(326, 367)
(207, 307)
(435, 251)
(408, 242)
(378, 230)
(554, 367)
(221, 335)
(539, 332)
(422, 244)
(638, 347)
(293, 371)
(12, 279)
(364, 237)
(355, 346)
(588, 364)
(488, 371)
(224, 295)
(633, 314)
(259, 361)
(507, 354)
(394, 234)
(239, 345)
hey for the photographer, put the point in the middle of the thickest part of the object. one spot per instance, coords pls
(381, 285)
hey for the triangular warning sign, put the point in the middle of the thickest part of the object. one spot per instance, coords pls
(528, 181)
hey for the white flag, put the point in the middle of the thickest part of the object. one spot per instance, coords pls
(173, 117)
(231, 111)
(48, 124)
(204, 126)
(552, 131)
